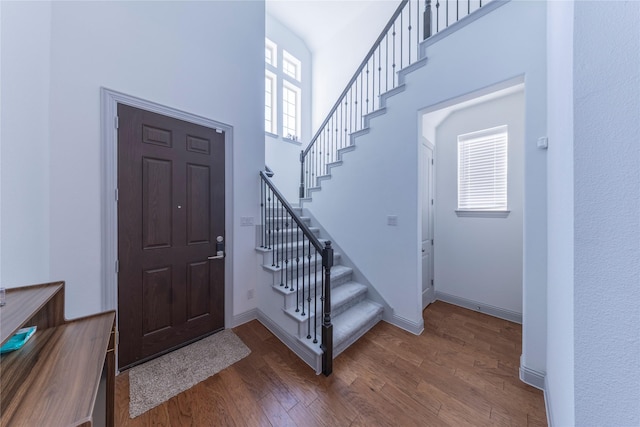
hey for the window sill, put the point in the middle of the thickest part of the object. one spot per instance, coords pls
(291, 141)
(482, 214)
(283, 138)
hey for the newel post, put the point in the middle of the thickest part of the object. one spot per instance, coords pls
(302, 174)
(327, 327)
(427, 20)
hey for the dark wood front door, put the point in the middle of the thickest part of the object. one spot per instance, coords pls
(170, 213)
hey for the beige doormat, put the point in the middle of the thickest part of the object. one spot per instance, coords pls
(160, 379)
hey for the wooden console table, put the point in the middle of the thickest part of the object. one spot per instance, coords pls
(56, 378)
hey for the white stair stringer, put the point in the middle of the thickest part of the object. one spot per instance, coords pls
(280, 307)
(382, 110)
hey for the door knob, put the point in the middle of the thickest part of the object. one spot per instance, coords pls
(219, 248)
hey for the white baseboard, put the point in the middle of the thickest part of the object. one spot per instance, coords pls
(406, 324)
(501, 313)
(532, 377)
(243, 318)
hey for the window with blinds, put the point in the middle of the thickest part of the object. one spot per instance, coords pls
(482, 170)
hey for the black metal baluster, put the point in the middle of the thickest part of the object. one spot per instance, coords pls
(393, 67)
(427, 20)
(315, 299)
(373, 83)
(437, 15)
(297, 276)
(283, 270)
(468, 7)
(355, 117)
(409, 36)
(346, 121)
(335, 133)
(361, 106)
(418, 29)
(379, 74)
(262, 210)
(457, 10)
(303, 284)
(270, 212)
(446, 3)
(401, 38)
(276, 249)
(288, 278)
(367, 99)
(386, 62)
(328, 142)
(309, 290)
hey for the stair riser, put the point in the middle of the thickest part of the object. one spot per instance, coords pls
(278, 210)
(290, 299)
(276, 270)
(290, 253)
(284, 234)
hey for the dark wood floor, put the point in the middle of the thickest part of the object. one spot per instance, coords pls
(462, 371)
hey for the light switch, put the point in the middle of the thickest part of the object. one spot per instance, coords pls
(543, 142)
(246, 221)
(392, 220)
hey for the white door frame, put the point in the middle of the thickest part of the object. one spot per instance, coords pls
(429, 297)
(109, 220)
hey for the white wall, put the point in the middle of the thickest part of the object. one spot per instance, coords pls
(174, 53)
(283, 156)
(380, 177)
(480, 259)
(606, 108)
(25, 29)
(560, 336)
(336, 62)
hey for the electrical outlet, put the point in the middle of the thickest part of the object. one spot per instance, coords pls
(392, 220)
(246, 221)
(250, 294)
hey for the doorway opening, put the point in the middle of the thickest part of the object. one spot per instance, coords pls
(476, 258)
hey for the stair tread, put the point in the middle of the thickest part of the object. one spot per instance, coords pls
(339, 296)
(347, 324)
(346, 292)
(337, 272)
(354, 319)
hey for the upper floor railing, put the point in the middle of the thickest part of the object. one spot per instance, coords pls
(397, 47)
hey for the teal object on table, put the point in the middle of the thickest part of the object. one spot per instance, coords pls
(18, 339)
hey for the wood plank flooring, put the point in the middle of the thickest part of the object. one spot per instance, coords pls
(462, 371)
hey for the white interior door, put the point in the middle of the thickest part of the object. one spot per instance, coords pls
(427, 192)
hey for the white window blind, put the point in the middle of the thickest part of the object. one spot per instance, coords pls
(482, 170)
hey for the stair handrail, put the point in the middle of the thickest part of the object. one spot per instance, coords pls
(326, 253)
(305, 229)
(382, 35)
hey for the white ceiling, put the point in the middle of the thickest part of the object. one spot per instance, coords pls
(318, 21)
